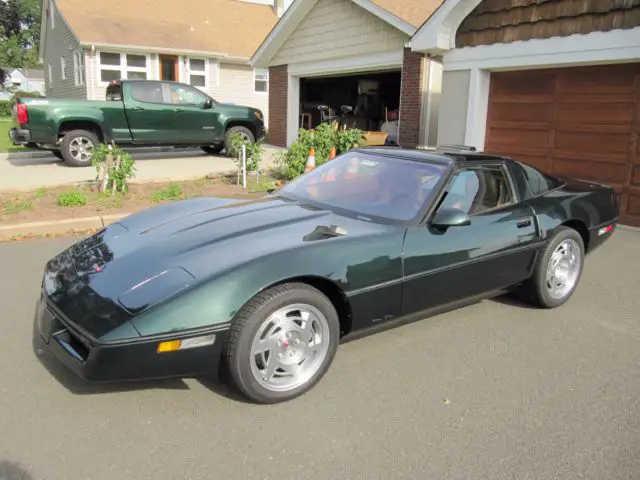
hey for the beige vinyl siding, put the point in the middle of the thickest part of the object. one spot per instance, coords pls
(338, 28)
(237, 86)
(60, 42)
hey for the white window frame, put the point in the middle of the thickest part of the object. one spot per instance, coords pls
(63, 68)
(78, 67)
(52, 13)
(255, 79)
(204, 72)
(50, 72)
(122, 68)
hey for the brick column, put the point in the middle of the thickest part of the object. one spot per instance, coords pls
(411, 98)
(278, 86)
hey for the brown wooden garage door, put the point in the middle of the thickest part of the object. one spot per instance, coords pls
(578, 121)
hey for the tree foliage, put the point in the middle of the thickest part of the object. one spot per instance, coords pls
(19, 33)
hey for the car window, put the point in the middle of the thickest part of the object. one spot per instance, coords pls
(369, 185)
(146, 92)
(537, 181)
(478, 189)
(183, 95)
(114, 92)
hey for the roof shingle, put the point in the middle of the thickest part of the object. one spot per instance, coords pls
(230, 27)
(414, 12)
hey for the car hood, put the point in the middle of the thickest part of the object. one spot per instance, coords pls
(178, 245)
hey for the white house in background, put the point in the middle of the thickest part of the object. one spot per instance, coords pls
(85, 45)
(555, 84)
(23, 79)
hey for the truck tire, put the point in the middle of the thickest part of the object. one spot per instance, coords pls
(213, 149)
(76, 147)
(243, 130)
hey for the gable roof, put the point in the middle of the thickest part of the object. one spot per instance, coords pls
(405, 15)
(232, 28)
(414, 12)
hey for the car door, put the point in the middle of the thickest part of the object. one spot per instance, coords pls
(497, 249)
(146, 112)
(191, 118)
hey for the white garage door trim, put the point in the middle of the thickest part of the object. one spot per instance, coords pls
(345, 65)
(353, 64)
(594, 48)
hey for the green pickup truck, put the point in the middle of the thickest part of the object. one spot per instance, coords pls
(135, 113)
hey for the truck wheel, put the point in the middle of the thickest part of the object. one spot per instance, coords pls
(213, 149)
(241, 130)
(57, 153)
(77, 147)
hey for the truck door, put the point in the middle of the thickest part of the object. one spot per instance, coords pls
(192, 116)
(147, 112)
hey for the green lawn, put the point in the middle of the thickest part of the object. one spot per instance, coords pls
(5, 141)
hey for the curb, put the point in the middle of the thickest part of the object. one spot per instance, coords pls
(58, 227)
(133, 151)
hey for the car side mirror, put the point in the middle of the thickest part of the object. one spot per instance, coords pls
(451, 217)
(208, 104)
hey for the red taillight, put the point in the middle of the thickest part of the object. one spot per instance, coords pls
(22, 113)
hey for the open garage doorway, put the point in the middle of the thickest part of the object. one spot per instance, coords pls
(373, 101)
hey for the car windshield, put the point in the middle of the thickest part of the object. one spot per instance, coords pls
(369, 185)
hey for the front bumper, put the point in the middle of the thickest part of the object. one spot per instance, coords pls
(19, 136)
(137, 359)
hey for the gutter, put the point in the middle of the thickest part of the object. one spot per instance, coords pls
(175, 51)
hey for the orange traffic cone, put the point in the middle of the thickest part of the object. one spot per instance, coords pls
(332, 154)
(311, 161)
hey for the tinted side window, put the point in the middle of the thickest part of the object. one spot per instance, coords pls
(183, 95)
(114, 92)
(146, 92)
(476, 190)
(538, 182)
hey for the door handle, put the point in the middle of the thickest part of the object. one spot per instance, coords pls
(524, 222)
(138, 108)
(177, 110)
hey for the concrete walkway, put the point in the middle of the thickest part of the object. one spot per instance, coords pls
(32, 173)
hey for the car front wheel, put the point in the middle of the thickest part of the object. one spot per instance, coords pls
(282, 343)
(557, 271)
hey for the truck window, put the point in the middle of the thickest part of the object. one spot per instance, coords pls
(184, 95)
(147, 92)
(114, 92)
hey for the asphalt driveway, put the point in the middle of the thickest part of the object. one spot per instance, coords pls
(493, 391)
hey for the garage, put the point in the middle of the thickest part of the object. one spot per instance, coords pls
(372, 101)
(576, 121)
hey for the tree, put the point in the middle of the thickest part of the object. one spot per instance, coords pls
(19, 33)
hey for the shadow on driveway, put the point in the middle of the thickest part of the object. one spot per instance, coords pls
(13, 471)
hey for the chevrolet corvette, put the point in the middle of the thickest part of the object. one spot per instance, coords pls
(265, 289)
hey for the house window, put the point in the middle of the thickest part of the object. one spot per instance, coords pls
(261, 80)
(117, 66)
(63, 68)
(197, 72)
(78, 67)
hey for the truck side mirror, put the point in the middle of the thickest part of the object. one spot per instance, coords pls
(208, 104)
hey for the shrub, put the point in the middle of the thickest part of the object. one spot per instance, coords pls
(73, 198)
(5, 108)
(325, 137)
(114, 167)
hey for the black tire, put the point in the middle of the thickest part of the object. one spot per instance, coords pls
(237, 356)
(243, 130)
(213, 150)
(535, 291)
(66, 144)
(57, 153)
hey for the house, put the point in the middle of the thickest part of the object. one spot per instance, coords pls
(351, 52)
(555, 84)
(205, 43)
(23, 79)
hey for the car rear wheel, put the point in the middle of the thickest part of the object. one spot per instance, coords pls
(77, 147)
(282, 343)
(557, 272)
